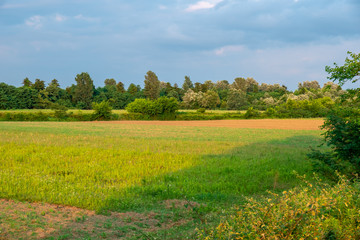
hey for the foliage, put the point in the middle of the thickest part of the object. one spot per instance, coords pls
(162, 105)
(187, 84)
(84, 90)
(252, 113)
(152, 86)
(239, 95)
(236, 99)
(318, 211)
(120, 87)
(302, 108)
(342, 126)
(102, 111)
(201, 110)
(343, 137)
(60, 110)
(310, 85)
(210, 100)
(192, 99)
(349, 71)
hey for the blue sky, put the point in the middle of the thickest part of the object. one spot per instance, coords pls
(273, 41)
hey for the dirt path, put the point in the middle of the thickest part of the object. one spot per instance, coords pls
(295, 124)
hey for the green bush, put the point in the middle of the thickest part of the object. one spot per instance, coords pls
(302, 108)
(160, 106)
(102, 111)
(252, 113)
(25, 116)
(316, 211)
(201, 110)
(60, 111)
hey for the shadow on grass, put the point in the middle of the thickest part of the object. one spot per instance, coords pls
(226, 178)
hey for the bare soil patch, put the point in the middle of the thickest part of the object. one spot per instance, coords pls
(291, 124)
(42, 220)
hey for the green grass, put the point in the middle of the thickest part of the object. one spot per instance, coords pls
(121, 167)
(117, 111)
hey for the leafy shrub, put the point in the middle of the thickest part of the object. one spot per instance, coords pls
(252, 113)
(60, 110)
(102, 111)
(25, 116)
(201, 110)
(160, 106)
(302, 108)
(316, 211)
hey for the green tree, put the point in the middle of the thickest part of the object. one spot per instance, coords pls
(187, 84)
(152, 85)
(53, 90)
(39, 85)
(120, 87)
(210, 100)
(27, 82)
(342, 126)
(132, 89)
(239, 84)
(7, 96)
(237, 99)
(84, 90)
(198, 87)
(349, 72)
(110, 82)
(26, 97)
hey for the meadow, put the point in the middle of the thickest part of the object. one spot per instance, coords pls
(109, 167)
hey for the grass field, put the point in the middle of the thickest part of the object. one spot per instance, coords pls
(133, 167)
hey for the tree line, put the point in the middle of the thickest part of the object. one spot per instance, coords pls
(241, 94)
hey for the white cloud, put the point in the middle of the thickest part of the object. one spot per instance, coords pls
(203, 5)
(35, 22)
(163, 7)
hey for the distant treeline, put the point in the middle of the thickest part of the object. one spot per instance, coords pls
(241, 94)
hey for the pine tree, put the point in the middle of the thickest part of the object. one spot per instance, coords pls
(152, 85)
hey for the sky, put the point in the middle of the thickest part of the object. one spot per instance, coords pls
(273, 41)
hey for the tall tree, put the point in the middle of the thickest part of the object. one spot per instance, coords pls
(152, 85)
(84, 90)
(309, 85)
(110, 82)
(39, 85)
(236, 99)
(53, 90)
(27, 82)
(132, 89)
(120, 87)
(239, 84)
(187, 84)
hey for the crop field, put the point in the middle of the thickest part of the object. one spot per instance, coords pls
(108, 168)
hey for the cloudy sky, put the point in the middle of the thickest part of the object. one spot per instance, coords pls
(273, 41)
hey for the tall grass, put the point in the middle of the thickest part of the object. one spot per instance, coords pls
(117, 166)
